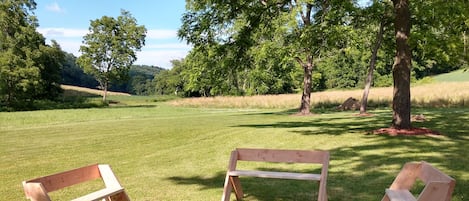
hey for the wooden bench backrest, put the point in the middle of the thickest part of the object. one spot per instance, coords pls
(287, 156)
(437, 184)
(428, 173)
(38, 188)
(69, 178)
(435, 179)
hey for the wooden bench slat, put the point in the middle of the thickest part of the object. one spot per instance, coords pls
(318, 157)
(277, 175)
(39, 188)
(400, 195)
(68, 178)
(99, 195)
(287, 156)
(438, 185)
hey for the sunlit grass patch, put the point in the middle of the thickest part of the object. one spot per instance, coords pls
(177, 153)
(422, 95)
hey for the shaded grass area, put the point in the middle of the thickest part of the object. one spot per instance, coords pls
(160, 152)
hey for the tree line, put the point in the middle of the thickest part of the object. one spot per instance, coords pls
(260, 47)
(246, 47)
(31, 70)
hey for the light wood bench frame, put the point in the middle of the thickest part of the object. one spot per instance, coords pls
(232, 182)
(38, 189)
(438, 185)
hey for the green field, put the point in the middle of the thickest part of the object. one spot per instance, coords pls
(455, 76)
(162, 152)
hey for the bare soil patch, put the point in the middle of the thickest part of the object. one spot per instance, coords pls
(406, 132)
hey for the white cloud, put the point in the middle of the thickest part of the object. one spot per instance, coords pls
(67, 32)
(161, 46)
(168, 46)
(67, 45)
(54, 7)
(62, 32)
(161, 34)
(161, 58)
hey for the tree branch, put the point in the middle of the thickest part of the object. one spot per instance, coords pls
(298, 59)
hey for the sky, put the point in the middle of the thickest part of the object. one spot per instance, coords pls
(67, 21)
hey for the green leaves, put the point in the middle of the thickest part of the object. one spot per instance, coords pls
(29, 69)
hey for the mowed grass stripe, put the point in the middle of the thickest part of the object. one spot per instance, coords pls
(173, 153)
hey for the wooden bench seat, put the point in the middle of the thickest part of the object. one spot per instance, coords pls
(38, 189)
(438, 186)
(232, 182)
(400, 195)
(276, 175)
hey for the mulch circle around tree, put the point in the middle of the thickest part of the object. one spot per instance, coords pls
(406, 132)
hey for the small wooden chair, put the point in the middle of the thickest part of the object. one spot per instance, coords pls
(232, 181)
(38, 189)
(438, 186)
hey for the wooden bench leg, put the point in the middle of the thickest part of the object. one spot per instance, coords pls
(322, 193)
(122, 196)
(232, 183)
(385, 198)
(237, 187)
(227, 188)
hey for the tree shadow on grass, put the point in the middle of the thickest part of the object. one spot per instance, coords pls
(263, 189)
(363, 171)
(330, 125)
(204, 182)
(356, 172)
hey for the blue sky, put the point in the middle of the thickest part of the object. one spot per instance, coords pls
(67, 21)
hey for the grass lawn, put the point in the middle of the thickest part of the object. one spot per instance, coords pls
(455, 76)
(162, 152)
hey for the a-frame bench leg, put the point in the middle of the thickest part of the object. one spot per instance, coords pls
(228, 187)
(122, 196)
(232, 183)
(237, 187)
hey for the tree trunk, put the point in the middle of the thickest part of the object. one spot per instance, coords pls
(402, 65)
(465, 43)
(369, 78)
(305, 108)
(104, 86)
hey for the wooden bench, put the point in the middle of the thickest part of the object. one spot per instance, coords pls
(38, 189)
(232, 181)
(438, 186)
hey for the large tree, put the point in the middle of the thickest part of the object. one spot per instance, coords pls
(29, 69)
(379, 13)
(402, 65)
(52, 61)
(237, 26)
(109, 50)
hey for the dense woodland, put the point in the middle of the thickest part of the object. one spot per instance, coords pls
(250, 47)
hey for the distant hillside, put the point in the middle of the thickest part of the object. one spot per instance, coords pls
(139, 77)
(144, 70)
(455, 76)
(83, 91)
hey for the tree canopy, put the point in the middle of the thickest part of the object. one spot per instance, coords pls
(29, 69)
(110, 48)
